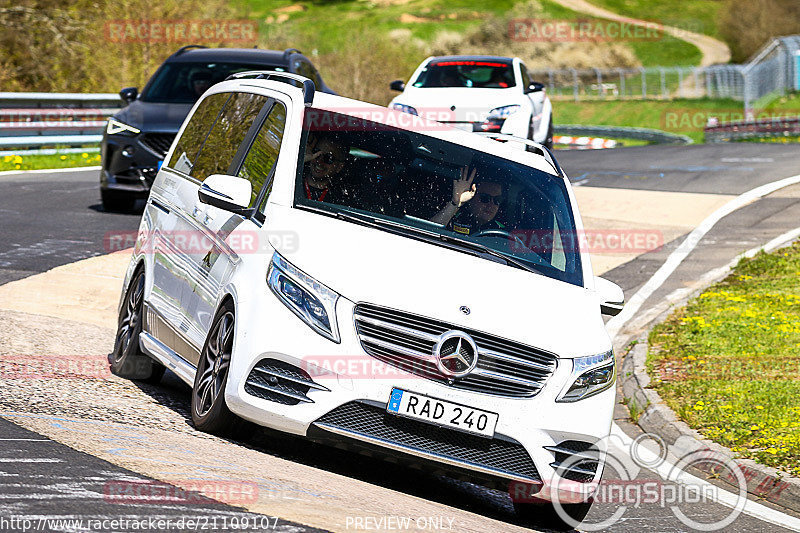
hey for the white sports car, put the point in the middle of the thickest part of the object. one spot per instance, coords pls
(479, 93)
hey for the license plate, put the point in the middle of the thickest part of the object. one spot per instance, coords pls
(442, 413)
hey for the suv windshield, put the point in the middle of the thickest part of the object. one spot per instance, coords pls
(466, 73)
(183, 83)
(444, 193)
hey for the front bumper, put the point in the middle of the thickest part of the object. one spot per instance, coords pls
(130, 162)
(349, 407)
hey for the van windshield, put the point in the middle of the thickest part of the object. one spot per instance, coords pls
(423, 187)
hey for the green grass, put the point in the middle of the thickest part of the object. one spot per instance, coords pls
(36, 162)
(681, 116)
(728, 362)
(667, 51)
(331, 26)
(699, 16)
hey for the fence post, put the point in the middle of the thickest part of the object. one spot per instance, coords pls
(644, 83)
(622, 81)
(663, 82)
(575, 84)
(680, 82)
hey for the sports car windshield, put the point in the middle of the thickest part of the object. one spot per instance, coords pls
(466, 73)
(422, 187)
(183, 83)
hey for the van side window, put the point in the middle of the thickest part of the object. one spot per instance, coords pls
(259, 164)
(196, 131)
(227, 134)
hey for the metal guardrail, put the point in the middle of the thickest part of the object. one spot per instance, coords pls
(737, 131)
(642, 134)
(54, 119)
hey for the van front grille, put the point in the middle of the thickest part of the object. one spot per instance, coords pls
(407, 341)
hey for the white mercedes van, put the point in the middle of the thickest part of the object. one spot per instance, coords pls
(360, 276)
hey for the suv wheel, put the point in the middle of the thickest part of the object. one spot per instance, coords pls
(127, 360)
(210, 413)
(116, 202)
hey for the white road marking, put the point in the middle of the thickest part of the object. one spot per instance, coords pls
(723, 497)
(690, 243)
(47, 171)
(29, 460)
(27, 440)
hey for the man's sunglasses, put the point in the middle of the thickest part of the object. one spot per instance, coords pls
(486, 198)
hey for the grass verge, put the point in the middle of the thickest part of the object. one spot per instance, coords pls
(36, 162)
(681, 116)
(728, 362)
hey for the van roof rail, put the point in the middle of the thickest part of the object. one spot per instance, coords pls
(538, 147)
(182, 49)
(293, 79)
(290, 51)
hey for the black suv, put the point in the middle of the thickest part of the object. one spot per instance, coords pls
(138, 137)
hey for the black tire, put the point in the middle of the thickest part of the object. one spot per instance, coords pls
(126, 359)
(210, 413)
(116, 202)
(545, 514)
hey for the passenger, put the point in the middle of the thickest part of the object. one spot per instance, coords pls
(324, 161)
(480, 202)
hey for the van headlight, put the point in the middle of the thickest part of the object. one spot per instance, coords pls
(310, 300)
(590, 375)
(115, 126)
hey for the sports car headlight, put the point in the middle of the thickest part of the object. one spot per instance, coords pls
(504, 111)
(310, 300)
(115, 126)
(405, 108)
(590, 375)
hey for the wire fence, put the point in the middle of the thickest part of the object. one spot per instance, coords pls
(774, 71)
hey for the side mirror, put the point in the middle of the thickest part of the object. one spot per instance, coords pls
(612, 299)
(535, 87)
(129, 94)
(398, 85)
(226, 192)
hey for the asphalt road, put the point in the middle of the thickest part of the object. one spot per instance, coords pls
(53, 219)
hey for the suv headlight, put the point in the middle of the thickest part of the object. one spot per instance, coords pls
(504, 111)
(590, 375)
(115, 126)
(310, 300)
(405, 108)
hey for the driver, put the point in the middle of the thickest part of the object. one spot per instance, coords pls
(474, 206)
(200, 81)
